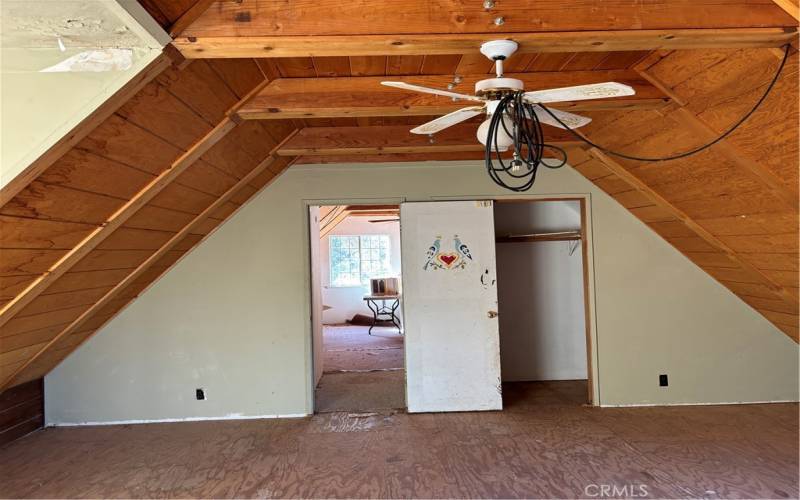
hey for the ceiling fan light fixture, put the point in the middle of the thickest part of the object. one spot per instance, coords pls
(503, 140)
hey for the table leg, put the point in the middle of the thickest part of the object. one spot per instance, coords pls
(374, 315)
(395, 319)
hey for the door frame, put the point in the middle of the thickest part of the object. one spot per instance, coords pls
(589, 282)
(585, 263)
(308, 307)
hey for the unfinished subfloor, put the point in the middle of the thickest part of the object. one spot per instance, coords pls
(544, 444)
(361, 372)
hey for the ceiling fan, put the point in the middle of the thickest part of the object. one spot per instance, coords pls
(490, 93)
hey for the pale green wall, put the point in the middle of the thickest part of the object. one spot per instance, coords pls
(233, 316)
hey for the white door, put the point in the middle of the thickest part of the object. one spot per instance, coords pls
(450, 306)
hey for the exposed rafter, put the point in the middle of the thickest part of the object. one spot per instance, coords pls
(188, 17)
(685, 117)
(142, 268)
(116, 220)
(365, 96)
(332, 141)
(391, 158)
(703, 233)
(790, 6)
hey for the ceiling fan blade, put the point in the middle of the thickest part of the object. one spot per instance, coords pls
(580, 92)
(448, 120)
(570, 119)
(428, 90)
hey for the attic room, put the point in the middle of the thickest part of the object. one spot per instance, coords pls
(418, 249)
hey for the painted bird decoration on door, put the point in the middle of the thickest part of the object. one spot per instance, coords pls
(436, 258)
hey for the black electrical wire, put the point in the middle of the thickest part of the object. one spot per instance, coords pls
(787, 49)
(529, 146)
(528, 141)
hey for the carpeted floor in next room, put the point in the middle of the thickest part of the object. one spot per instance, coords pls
(361, 372)
(545, 443)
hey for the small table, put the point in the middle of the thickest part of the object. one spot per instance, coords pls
(378, 310)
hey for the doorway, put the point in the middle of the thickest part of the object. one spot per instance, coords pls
(357, 324)
(542, 295)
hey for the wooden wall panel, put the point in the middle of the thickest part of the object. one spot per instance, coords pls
(21, 411)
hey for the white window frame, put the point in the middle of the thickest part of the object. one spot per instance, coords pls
(359, 237)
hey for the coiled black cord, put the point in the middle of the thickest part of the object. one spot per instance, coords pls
(519, 174)
(529, 145)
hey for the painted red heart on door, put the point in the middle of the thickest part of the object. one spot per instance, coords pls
(447, 258)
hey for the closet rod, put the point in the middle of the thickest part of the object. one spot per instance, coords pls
(559, 236)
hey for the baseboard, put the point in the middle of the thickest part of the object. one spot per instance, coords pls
(174, 420)
(643, 405)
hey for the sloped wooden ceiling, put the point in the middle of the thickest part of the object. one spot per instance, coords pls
(123, 204)
(112, 206)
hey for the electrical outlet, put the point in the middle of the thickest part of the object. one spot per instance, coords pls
(200, 394)
(663, 380)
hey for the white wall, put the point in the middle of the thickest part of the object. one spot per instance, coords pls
(316, 291)
(233, 315)
(346, 302)
(540, 290)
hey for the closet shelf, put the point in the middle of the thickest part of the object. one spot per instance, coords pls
(523, 238)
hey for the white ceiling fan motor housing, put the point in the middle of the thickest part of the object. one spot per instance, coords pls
(493, 84)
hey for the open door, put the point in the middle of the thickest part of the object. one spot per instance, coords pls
(450, 306)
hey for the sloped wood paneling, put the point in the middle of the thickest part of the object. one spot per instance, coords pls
(21, 411)
(79, 193)
(740, 197)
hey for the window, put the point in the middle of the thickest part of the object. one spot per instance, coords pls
(356, 259)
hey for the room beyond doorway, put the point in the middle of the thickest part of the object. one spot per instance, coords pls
(357, 339)
(361, 371)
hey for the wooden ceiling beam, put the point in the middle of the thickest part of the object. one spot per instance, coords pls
(790, 6)
(267, 28)
(340, 214)
(371, 140)
(365, 96)
(155, 257)
(382, 17)
(392, 158)
(206, 47)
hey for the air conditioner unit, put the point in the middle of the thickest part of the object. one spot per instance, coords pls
(385, 286)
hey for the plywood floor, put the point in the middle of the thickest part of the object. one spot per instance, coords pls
(543, 445)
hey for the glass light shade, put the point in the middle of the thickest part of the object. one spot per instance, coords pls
(504, 140)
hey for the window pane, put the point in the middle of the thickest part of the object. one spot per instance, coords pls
(344, 261)
(374, 257)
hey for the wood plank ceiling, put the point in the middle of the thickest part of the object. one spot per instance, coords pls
(112, 206)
